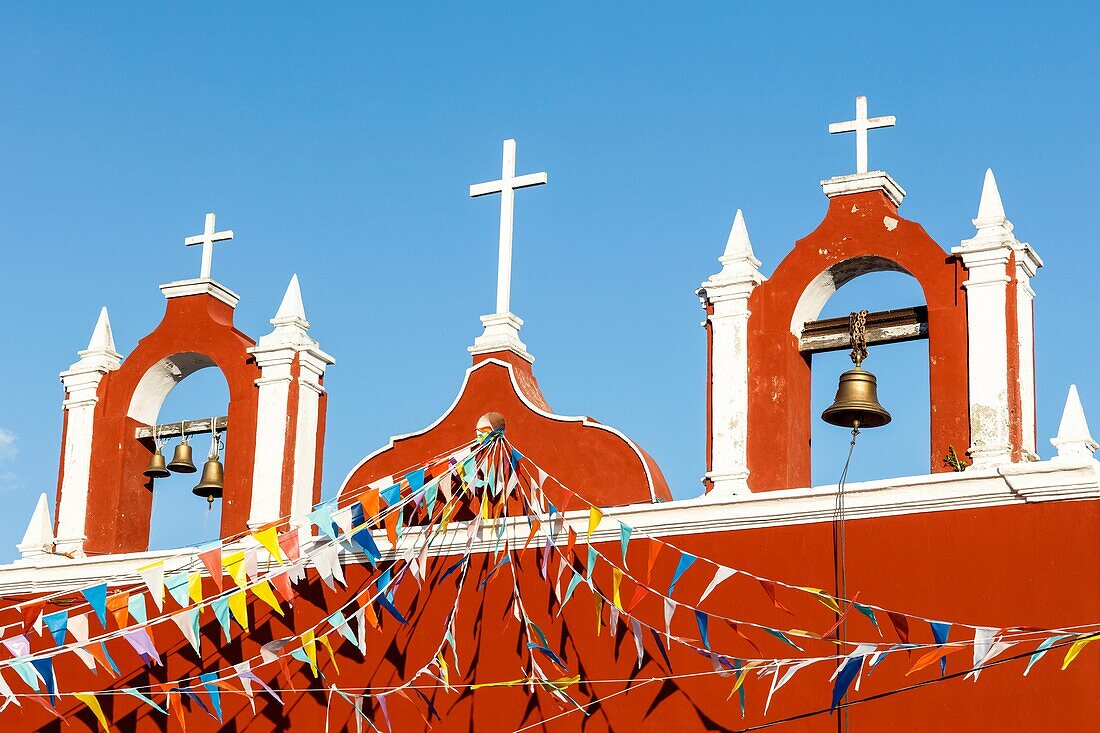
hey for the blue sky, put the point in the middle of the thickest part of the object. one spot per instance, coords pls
(339, 143)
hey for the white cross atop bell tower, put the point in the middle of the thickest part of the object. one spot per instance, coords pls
(860, 125)
(207, 239)
(502, 327)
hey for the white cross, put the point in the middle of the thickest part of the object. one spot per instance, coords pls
(506, 187)
(207, 239)
(860, 125)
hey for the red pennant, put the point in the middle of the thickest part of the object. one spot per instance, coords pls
(831, 633)
(567, 497)
(100, 655)
(288, 543)
(654, 550)
(737, 630)
(901, 625)
(46, 704)
(31, 612)
(281, 581)
(535, 525)
(212, 559)
(769, 588)
(639, 594)
(175, 704)
(570, 544)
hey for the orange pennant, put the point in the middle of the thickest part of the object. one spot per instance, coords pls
(118, 605)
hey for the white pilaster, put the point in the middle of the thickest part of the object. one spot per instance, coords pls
(38, 539)
(81, 382)
(727, 292)
(1074, 441)
(1027, 264)
(986, 257)
(275, 354)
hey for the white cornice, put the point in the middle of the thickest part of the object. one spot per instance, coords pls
(1015, 484)
(200, 286)
(862, 183)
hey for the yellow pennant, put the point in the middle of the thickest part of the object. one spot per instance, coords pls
(825, 599)
(234, 565)
(328, 645)
(239, 608)
(563, 683)
(616, 579)
(269, 538)
(1076, 648)
(310, 648)
(599, 614)
(443, 670)
(263, 591)
(594, 517)
(93, 704)
(194, 587)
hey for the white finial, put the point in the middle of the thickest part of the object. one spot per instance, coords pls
(506, 187)
(102, 338)
(738, 244)
(292, 308)
(1073, 439)
(38, 539)
(860, 125)
(207, 239)
(990, 209)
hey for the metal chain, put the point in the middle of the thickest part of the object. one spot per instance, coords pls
(857, 329)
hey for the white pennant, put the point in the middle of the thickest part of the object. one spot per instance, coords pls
(636, 628)
(154, 580)
(983, 639)
(78, 627)
(187, 628)
(670, 608)
(360, 631)
(720, 575)
(778, 682)
(994, 649)
(252, 562)
(9, 696)
(343, 520)
(246, 684)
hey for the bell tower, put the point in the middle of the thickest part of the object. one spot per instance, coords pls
(763, 332)
(275, 414)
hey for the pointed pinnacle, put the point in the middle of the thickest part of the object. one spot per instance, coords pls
(990, 207)
(1074, 438)
(102, 338)
(39, 532)
(292, 306)
(738, 244)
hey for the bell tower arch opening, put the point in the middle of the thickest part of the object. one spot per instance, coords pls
(898, 356)
(177, 392)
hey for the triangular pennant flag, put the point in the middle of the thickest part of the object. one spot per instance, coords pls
(778, 682)
(339, 623)
(221, 612)
(99, 651)
(702, 621)
(415, 479)
(1042, 649)
(594, 517)
(1076, 647)
(901, 625)
(32, 616)
(93, 704)
(118, 605)
(686, 561)
(57, 623)
(310, 650)
(188, 623)
(19, 646)
(238, 606)
(177, 588)
(670, 608)
(135, 606)
(983, 639)
(142, 643)
(940, 632)
(27, 673)
(44, 667)
(194, 587)
(616, 580)
(208, 682)
(78, 627)
(769, 588)
(281, 581)
(9, 695)
(212, 559)
(720, 575)
(97, 599)
(134, 693)
(391, 495)
(624, 540)
(234, 564)
(288, 543)
(263, 591)
(870, 614)
(846, 673)
(153, 575)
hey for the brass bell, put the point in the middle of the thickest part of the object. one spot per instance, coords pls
(156, 467)
(856, 404)
(181, 459)
(212, 481)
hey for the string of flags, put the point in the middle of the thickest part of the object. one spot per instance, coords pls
(496, 489)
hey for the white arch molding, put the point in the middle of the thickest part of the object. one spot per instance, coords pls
(819, 290)
(159, 380)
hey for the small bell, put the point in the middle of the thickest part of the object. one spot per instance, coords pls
(213, 473)
(181, 459)
(156, 467)
(211, 484)
(856, 404)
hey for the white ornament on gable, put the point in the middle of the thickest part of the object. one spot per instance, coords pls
(1074, 441)
(38, 540)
